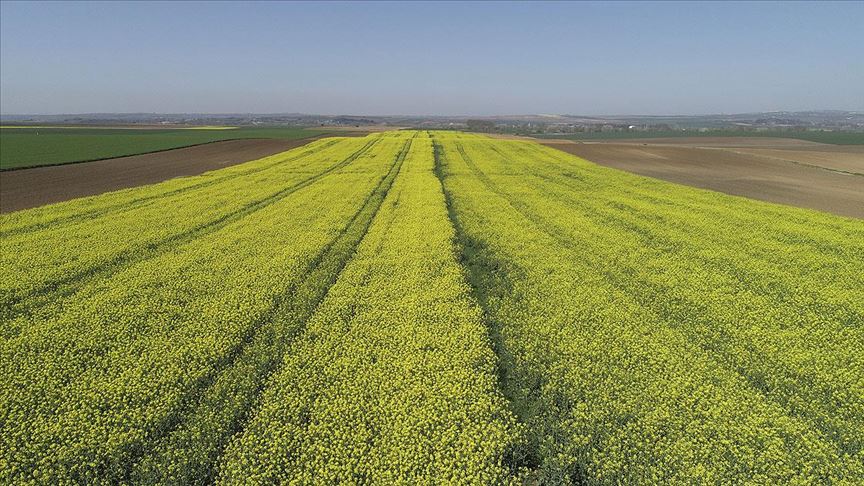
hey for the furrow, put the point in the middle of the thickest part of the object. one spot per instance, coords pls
(218, 407)
(141, 201)
(69, 284)
(642, 291)
(483, 277)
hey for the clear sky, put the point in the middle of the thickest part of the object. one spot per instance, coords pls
(430, 58)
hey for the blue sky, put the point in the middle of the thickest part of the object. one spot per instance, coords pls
(430, 58)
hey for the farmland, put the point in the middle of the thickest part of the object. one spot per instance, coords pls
(819, 136)
(429, 307)
(787, 171)
(52, 145)
(37, 186)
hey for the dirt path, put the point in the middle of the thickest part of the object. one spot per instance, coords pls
(28, 188)
(807, 175)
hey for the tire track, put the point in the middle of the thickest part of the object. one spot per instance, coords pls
(142, 201)
(63, 287)
(488, 280)
(237, 383)
(629, 281)
(640, 193)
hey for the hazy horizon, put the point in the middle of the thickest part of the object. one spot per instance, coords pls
(429, 115)
(407, 59)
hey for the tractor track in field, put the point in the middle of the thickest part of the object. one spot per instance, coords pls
(68, 285)
(38, 186)
(645, 219)
(717, 214)
(261, 349)
(142, 201)
(486, 279)
(629, 281)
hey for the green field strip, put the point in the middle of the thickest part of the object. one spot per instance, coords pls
(120, 155)
(497, 264)
(815, 397)
(78, 210)
(223, 402)
(393, 379)
(40, 147)
(67, 285)
(76, 390)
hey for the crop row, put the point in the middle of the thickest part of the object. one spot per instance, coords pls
(76, 210)
(429, 307)
(40, 261)
(92, 383)
(645, 340)
(393, 380)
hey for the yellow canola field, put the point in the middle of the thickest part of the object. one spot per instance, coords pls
(419, 307)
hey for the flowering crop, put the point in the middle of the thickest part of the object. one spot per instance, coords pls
(429, 307)
(653, 333)
(393, 380)
(105, 372)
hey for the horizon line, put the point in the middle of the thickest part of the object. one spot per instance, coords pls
(549, 115)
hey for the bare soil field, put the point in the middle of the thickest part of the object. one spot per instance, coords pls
(722, 142)
(794, 172)
(28, 188)
(843, 158)
(850, 160)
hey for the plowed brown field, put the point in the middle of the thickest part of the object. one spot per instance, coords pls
(804, 174)
(28, 188)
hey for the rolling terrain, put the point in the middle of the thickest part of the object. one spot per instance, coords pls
(430, 307)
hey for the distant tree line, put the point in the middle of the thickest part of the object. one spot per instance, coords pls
(485, 126)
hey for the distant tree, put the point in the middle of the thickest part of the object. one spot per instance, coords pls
(481, 125)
